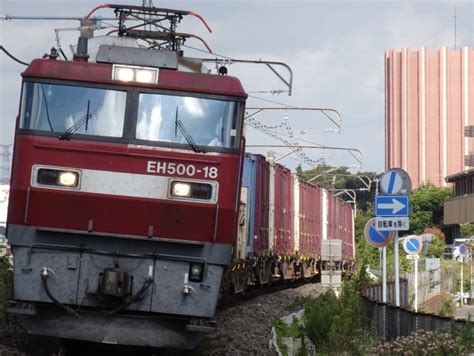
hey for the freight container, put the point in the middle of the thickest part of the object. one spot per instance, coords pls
(348, 246)
(256, 180)
(307, 218)
(281, 200)
(262, 196)
(332, 217)
(247, 207)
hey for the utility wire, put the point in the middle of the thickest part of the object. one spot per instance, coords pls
(12, 56)
(273, 102)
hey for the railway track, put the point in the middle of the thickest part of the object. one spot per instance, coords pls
(237, 299)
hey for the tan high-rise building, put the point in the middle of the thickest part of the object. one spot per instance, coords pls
(429, 99)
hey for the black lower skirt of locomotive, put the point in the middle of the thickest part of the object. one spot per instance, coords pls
(124, 329)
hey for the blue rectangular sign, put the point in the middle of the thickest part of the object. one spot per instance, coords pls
(392, 205)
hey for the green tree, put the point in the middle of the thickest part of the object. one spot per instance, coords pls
(428, 207)
(467, 229)
(436, 248)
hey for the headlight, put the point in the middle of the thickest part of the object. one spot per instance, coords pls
(68, 179)
(194, 190)
(180, 189)
(135, 74)
(196, 272)
(47, 176)
(124, 74)
(145, 76)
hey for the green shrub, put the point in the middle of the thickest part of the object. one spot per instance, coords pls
(447, 308)
(283, 330)
(319, 315)
(436, 248)
(6, 283)
(338, 326)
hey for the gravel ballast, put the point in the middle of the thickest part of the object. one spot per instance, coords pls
(242, 329)
(245, 329)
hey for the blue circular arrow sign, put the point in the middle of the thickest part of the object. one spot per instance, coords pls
(412, 245)
(375, 237)
(462, 250)
(395, 181)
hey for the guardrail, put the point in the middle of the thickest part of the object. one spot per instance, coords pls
(391, 321)
(374, 292)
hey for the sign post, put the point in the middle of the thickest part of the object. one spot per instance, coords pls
(379, 239)
(462, 253)
(416, 285)
(397, 271)
(384, 276)
(412, 245)
(395, 185)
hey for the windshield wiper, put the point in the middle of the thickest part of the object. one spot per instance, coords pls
(47, 109)
(77, 125)
(189, 139)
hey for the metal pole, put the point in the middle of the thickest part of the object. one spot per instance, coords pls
(397, 272)
(384, 275)
(462, 280)
(416, 285)
(472, 279)
(380, 258)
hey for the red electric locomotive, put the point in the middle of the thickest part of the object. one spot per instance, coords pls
(125, 190)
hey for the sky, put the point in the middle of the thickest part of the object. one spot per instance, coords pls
(335, 49)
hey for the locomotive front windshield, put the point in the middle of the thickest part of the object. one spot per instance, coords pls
(186, 121)
(73, 109)
(181, 119)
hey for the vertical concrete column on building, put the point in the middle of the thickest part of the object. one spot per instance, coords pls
(388, 139)
(404, 110)
(465, 99)
(444, 120)
(422, 115)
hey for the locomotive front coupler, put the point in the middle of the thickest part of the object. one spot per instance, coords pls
(114, 284)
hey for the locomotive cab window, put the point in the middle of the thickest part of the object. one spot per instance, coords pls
(70, 110)
(187, 120)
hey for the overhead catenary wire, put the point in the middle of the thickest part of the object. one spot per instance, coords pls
(12, 56)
